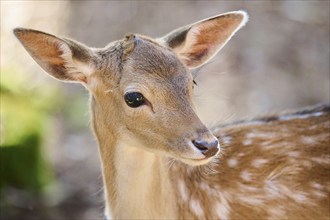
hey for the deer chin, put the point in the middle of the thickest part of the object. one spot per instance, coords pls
(193, 157)
(197, 162)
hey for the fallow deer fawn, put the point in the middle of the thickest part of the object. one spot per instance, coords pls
(158, 159)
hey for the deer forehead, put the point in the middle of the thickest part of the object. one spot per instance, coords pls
(142, 63)
(151, 59)
(155, 67)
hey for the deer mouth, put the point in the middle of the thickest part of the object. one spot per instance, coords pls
(197, 162)
(196, 157)
(195, 152)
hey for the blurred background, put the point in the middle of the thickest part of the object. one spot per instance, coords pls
(49, 159)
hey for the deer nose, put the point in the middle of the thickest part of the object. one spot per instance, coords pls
(208, 149)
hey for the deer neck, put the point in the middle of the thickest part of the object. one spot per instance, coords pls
(137, 183)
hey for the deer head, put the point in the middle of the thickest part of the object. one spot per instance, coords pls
(142, 88)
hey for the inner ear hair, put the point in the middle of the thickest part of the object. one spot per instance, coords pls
(197, 43)
(63, 59)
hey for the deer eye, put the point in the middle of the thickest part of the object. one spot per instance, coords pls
(134, 99)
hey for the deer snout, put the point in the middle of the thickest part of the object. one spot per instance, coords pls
(208, 148)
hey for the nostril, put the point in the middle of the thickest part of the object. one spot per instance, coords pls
(201, 145)
(206, 148)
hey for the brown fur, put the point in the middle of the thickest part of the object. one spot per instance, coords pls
(292, 176)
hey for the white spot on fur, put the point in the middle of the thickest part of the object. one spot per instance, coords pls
(317, 186)
(323, 136)
(232, 162)
(279, 190)
(326, 124)
(241, 154)
(308, 140)
(270, 145)
(307, 163)
(257, 163)
(313, 127)
(258, 134)
(243, 188)
(320, 160)
(272, 189)
(209, 190)
(320, 194)
(204, 187)
(245, 175)
(251, 200)
(293, 154)
(226, 139)
(183, 190)
(222, 208)
(276, 213)
(247, 142)
(250, 135)
(299, 197)
(267, 143)
(196, 208)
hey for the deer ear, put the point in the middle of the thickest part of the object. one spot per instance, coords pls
(63, 59)
(197, 43)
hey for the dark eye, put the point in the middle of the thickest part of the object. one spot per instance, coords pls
(134, 99)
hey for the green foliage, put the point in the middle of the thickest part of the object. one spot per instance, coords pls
(22, 165)
(23, 125)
